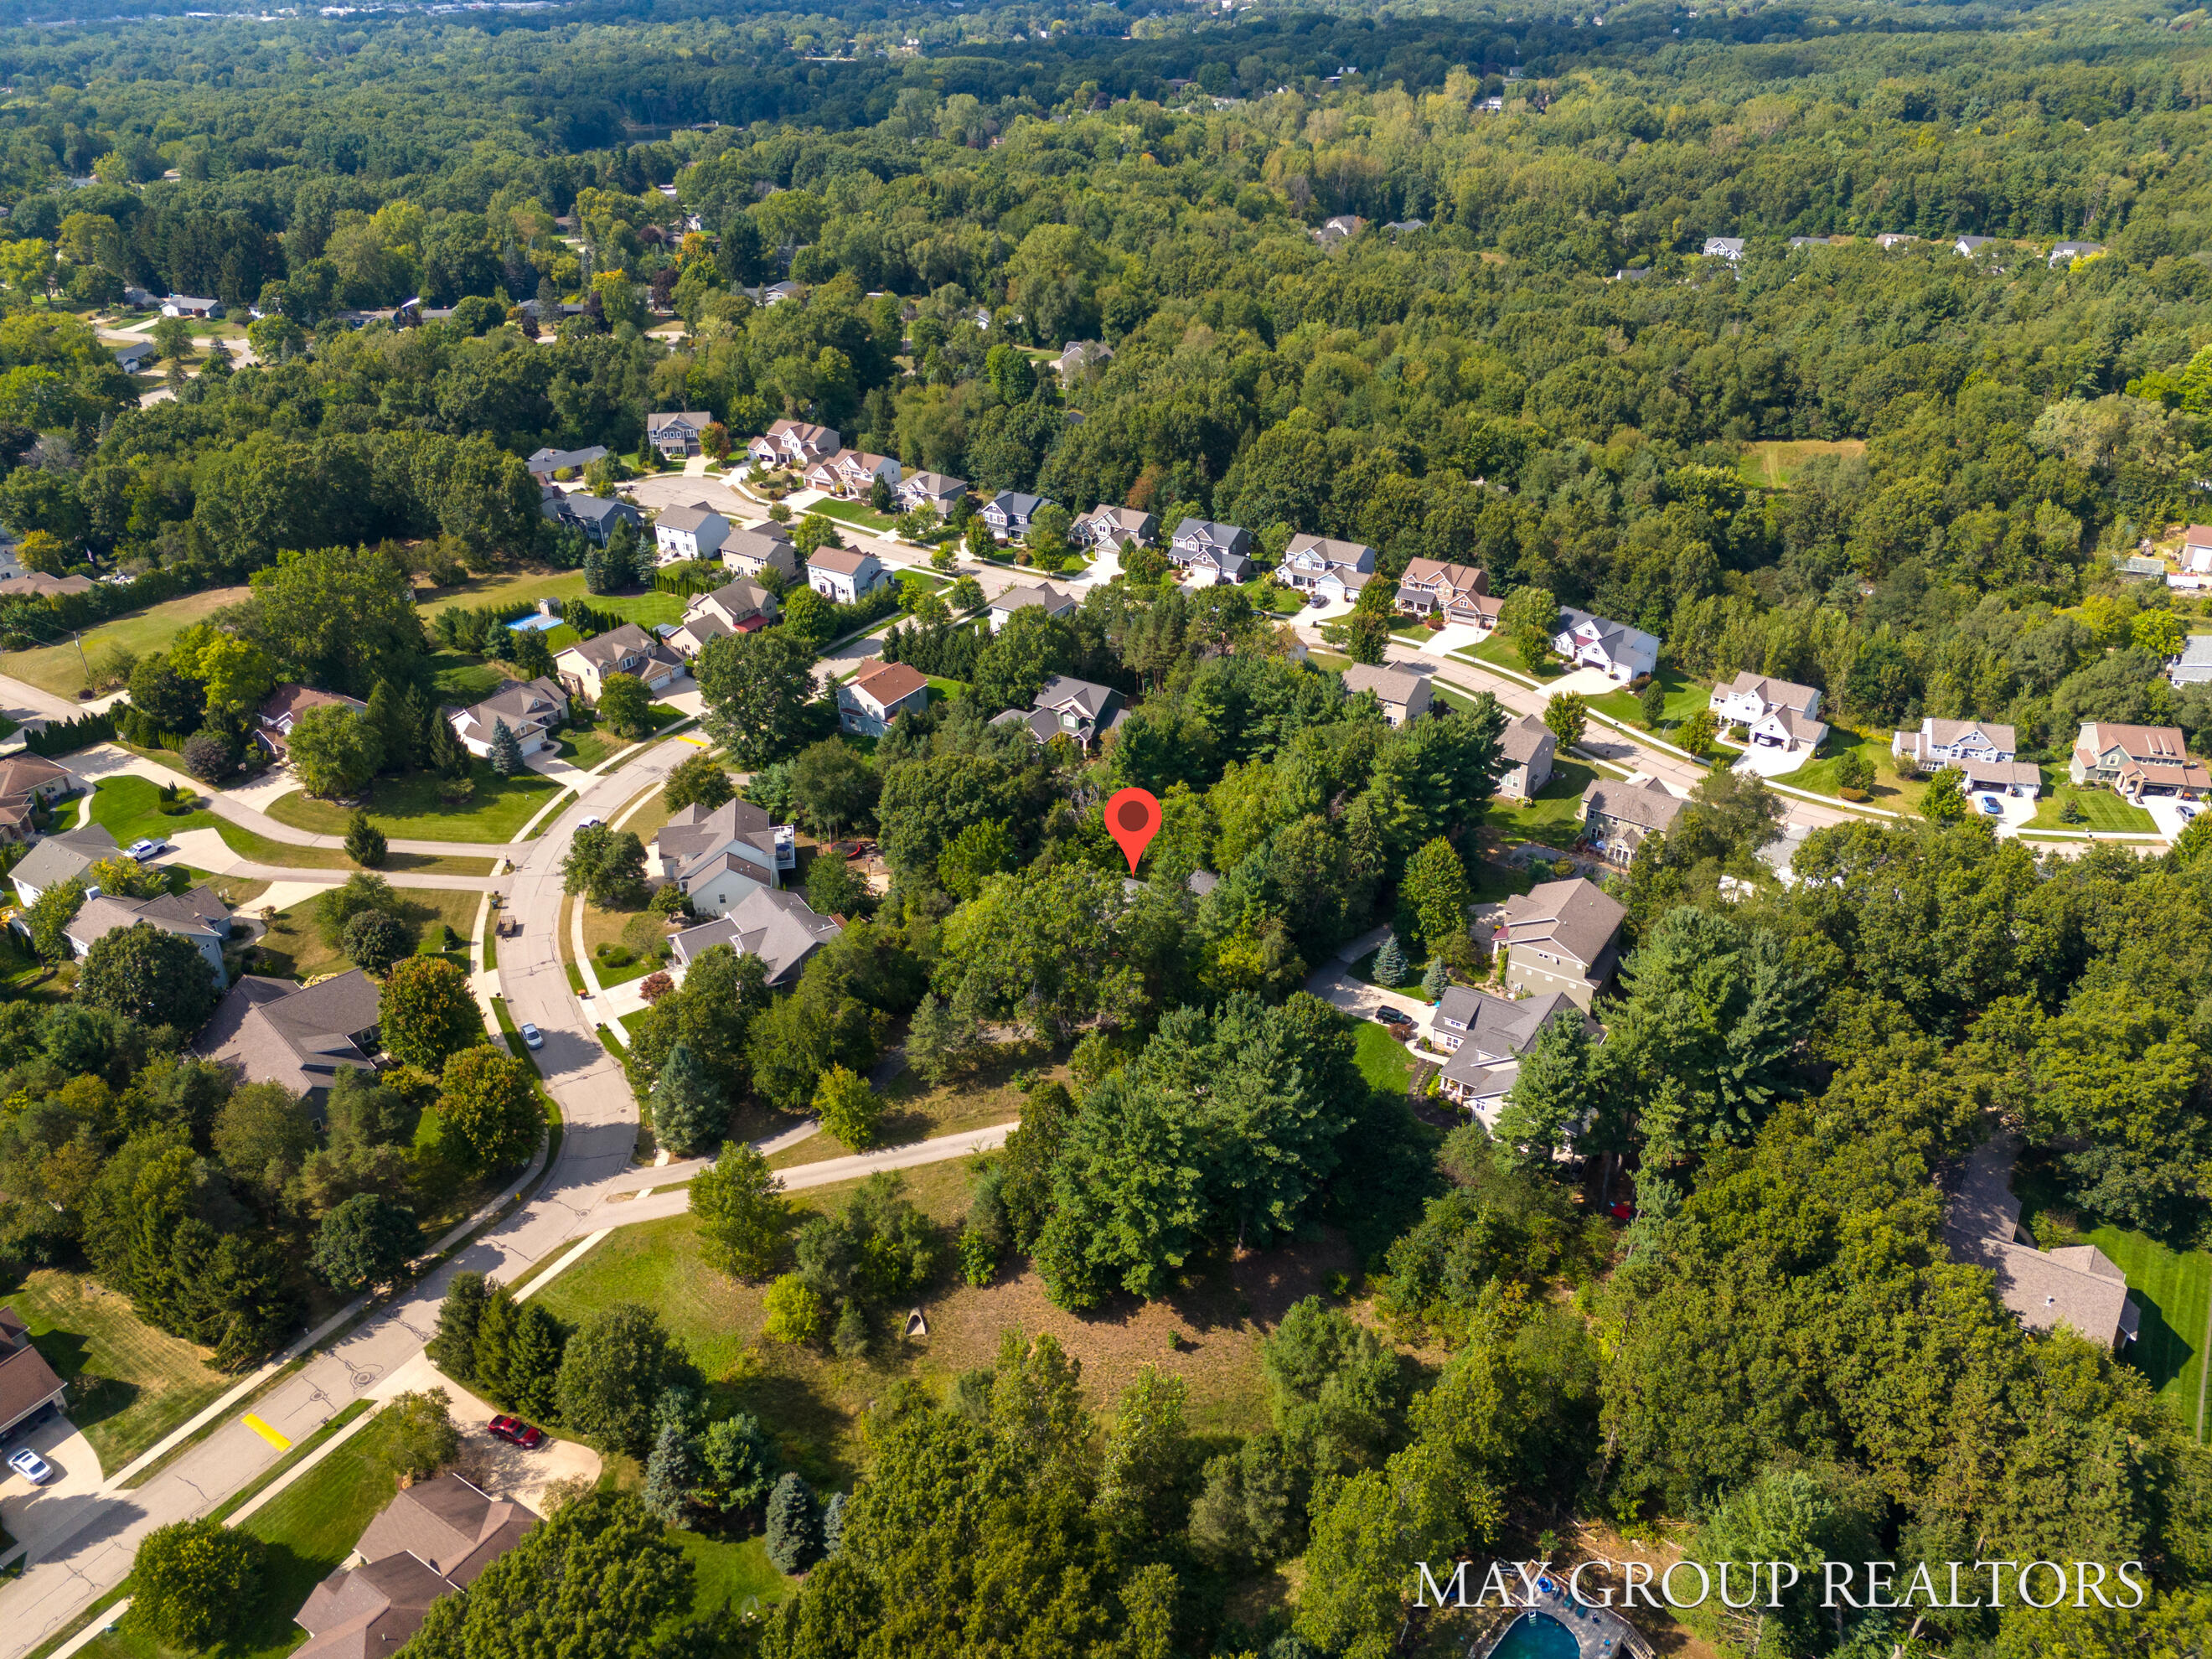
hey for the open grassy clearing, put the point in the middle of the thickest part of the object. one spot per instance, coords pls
(293, 946)
(1496, 652)
(408, 807)
(810, 1404)
(915, 1111)
(130, 807)
(1818, 775)
(2101, 808)
(1772, 464)
(1684, 698)
(128, 1384)
(853, 512)
(1550, 820)
(1382, 1058)
(59, 668)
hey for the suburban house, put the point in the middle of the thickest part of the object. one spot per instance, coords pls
(1079, 354)
(137, 357)
(763, 548)
(530, 709)
(1337, 570)
(1404, 695)
(1967, 247)
(1776, 713)
(1067, 707)
(1729, 248)
(795, 443)
(595, 515)
(1616, 650)
(28, 782)
(677, 432)
(2196, 556)
(2067, 252)
(434, 1539)
(1983, 750)
(715, 855)
(270, 1030)
(1561, 936)
(186, 304)
(29, 1385)
(2194, 666)
(196, 916)
(1486, 1037)
(61, 857)
(2137, 761)
(696, 531)
(583, 667)
(1010, 512)
(852, 473)
(1461, 592)
(735, 607)
(1340, 229)
(869, 701)
(1105, 526)
(1050, 600)
(1199, 544)
(931, 490)
(272, 721)
(842, 575)
(1526, 749)
(781, 928)
(545, 464)
(1617, 817)
(46, 587)
(2077, 1285)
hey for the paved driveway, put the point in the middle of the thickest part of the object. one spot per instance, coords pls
(2171, 816)
(37, 1516)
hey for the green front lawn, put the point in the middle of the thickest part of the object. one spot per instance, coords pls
(1551, 819)
(1382, 1059)
(853, 512)
(1684, 698)
(131, 809)
(2101, 808)
(293, 946)
(128, 1384)
(1499, 653)
(587, 747)
(408, 807)
(1818, 775)
(60, 668)
(732, 1574)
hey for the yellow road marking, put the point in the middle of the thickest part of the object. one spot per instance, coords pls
(696, 742)
(266, 1433)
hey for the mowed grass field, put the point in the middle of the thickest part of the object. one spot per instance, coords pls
(409, 808)
(59, 669)
(1772, 464)
(2174, 1288)
(128, 1384)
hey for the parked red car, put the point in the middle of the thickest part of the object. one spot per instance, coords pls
(515, 1430)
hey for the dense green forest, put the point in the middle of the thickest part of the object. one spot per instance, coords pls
(1546, 376)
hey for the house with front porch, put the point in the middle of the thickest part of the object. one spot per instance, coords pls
(530, 709)
(1461, 593)
(1614, 649)
(2135, 761)
(677, 432)
(1983, 750)
(1617, 817)
(1336, 570)
(1105, 526)
(1486, 1037)
(852, 473)
(842, 574)
(1011, 513)
(583, 667)
(1202, 548)
(930, 489)
(1750, 698)
(795, 443)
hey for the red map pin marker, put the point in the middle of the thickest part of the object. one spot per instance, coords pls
(1133, 818)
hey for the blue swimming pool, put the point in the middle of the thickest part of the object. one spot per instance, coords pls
(534, 624)
(1537, 1636)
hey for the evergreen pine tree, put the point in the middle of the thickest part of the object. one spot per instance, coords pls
(850, 1339)
(364, 843)
(532, 655)
(689, 1112)
(1435, 980)
(595, 569)
(495, 1333)
(670, 1474)
(396, 729)
(533, 1361)
(794, 1530)
(443, 752)
(1390, 965)
(454, 1349)
(506, 750)
(833, 1525)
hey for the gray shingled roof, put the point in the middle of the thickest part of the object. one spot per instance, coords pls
(1575, 916)
(1642, 802)
(64, 857)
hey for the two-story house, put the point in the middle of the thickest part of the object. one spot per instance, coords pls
(1336, 570)
(847, 577)
(1561, 936)
(2137, 761)
(1067, 707)
(1203, 549)
(583, 667)
(869, 701)
(1044, 596)
(1617, 817)
(1486, 1037)
(696, 531)
(1526, 749)
(758, 549)
(852, 473)
(1404, 695)
(595, 515)
(529, 709)
(1105, 526)
(930, 489)
(1729, 248)
(735, 607)
(715, 855)
(677, 432)
(1460, 591)
(1614, 649)
(1010, 514)
(1983, 750)
(1776, 713)
(795, 443)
